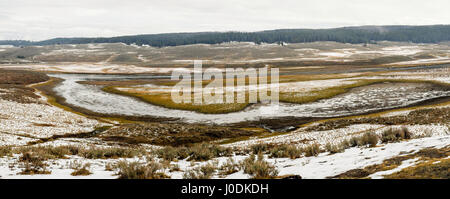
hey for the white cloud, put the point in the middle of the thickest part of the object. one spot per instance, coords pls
(43, 19)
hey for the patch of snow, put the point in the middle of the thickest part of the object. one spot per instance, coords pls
(41, 120)
(405, 164)
(326, 165)
(95, 68)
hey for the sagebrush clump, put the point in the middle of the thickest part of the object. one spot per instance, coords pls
(258, 168)
(199, 152)
(260, 148)
(336, 148)
(395, 135)
(33, 163)
(285, 151)
(370, 139)
(135, 170)
(312, 150)
(202, 172)
(5, 151)
(229, 167)
(80, 169)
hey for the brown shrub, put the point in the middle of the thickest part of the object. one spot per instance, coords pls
(312, 150)
(172, 153)
(21, 77)
(260, 148)
(336, 148)
(110, 152)
(370, 139)
(5, 151)
(258, 168)
(33, 164)
(80, 169)
(229, 167)
(395, 135)
(202, 172)
(285, 151)
(135, 170)
(198, 152)
(427, 170)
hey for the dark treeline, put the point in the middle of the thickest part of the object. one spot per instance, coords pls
(363, 34)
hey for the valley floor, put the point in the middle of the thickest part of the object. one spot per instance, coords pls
(39, 139)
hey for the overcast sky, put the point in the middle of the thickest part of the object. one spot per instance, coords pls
(44, 19)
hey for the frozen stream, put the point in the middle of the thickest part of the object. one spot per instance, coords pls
(359, 100)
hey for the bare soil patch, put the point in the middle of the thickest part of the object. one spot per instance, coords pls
(13, 85)
(18, 77)
(171, 134)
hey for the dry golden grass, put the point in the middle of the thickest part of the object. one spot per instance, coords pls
(61, 152)
(164, 99)
(426, 170)
(315, 95)
(310, 77)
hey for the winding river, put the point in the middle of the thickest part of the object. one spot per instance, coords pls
(358, 101)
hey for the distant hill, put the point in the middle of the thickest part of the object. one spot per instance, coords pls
(360, 34)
